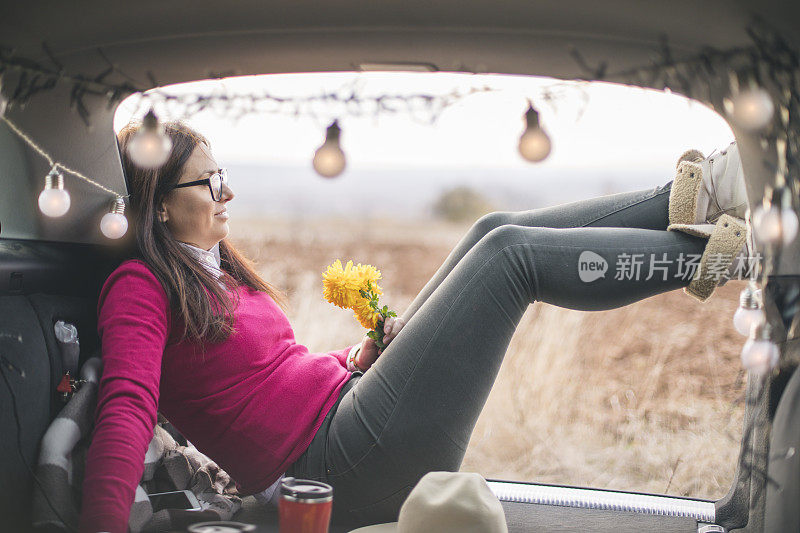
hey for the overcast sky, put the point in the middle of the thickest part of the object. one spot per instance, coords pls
(592, 125)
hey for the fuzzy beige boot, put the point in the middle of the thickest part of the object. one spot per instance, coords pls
(708, 199)
(705, 188)
(728, 253)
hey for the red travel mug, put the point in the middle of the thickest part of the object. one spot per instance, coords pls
(305, 506)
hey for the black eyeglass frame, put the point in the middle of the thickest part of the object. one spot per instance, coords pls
(223, 176)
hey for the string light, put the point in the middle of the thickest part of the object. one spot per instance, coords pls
(54, 183)
(329, 160)
(114, 224)
(750, 109)
(774, 220)
(54, 199)
(759, 354)
(749, 313)
(150, 146)
(534, 144)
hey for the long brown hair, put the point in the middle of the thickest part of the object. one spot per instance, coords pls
(183, 278)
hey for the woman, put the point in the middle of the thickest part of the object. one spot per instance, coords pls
(251, 398)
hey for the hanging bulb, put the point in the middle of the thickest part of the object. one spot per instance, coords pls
(789, 222)
(751, 109)
(749, 312)
(760, 354)
(114, 224)
(767, 223)
(329, 160)
(534, 144)
(775, 221)
(54, 199)
(150, 146)
(3, 102)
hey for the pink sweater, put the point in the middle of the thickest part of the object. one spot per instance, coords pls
(253, 405)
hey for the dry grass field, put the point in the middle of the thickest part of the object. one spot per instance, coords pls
(648, 397)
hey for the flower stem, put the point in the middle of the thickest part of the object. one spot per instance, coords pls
(377, 334)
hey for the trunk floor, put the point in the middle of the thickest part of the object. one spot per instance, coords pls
(521, 517)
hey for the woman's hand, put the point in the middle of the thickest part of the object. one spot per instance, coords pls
(369, 350)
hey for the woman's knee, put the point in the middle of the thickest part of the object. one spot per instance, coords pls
(508, 234)
(490, 221)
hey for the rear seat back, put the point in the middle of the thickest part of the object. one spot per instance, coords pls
(40, 283)
(33, 399)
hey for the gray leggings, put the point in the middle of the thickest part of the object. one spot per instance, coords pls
(414, 411)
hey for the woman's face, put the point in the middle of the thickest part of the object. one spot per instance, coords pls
(190, 213)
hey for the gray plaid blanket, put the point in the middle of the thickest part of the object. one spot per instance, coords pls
(167, 466)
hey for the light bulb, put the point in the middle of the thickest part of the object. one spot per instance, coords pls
(773, 224)
(54, 199)
(749, 312)
(150, 146)
(114, 224)
(745, 319)
(783, 197)
(329, 160)
(3, 103)
(767, 223)
(790, 223)
(752, 108)
(759, 354)
(534, 144)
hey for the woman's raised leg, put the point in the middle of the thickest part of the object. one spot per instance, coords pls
(415, 409)
(645, 209)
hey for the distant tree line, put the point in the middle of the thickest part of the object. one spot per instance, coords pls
(461, 204)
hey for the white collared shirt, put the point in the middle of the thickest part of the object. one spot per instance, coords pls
(208, 258)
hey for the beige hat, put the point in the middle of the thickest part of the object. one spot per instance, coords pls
(447, 502)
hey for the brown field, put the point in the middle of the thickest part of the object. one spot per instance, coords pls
(648, 397)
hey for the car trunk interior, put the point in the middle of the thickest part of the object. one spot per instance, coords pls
(44, 282)
(53, 269)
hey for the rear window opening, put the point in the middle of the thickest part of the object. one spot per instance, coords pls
(648, 397)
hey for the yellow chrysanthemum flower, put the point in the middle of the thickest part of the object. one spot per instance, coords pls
(368, 273)
(365, 314)
(341, 285)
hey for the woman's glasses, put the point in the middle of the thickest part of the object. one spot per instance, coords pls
(214, 183)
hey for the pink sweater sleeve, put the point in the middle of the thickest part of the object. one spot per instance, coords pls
(133, 324)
